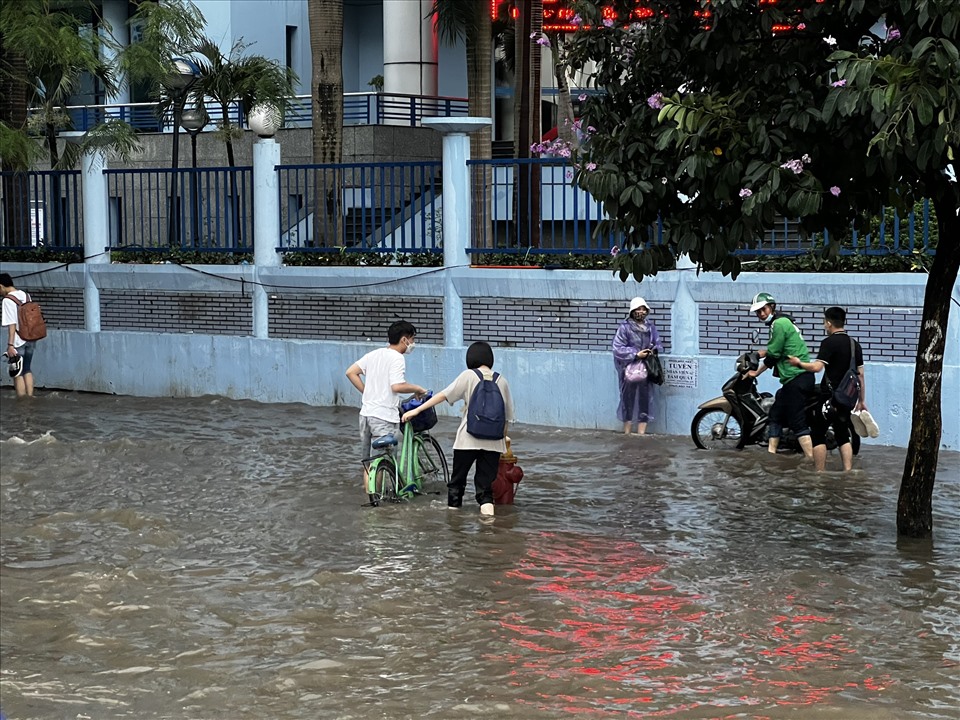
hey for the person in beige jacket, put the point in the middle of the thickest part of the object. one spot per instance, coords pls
(467, 449)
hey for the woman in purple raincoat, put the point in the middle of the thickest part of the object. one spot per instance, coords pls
(636, 338)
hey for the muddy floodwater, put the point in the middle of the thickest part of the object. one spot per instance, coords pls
(208, 558)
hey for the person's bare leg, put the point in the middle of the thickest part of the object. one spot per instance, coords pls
(806, 444)
(28, 383)
(772, 445)
(626, 428)
(820, 457)
(641, 428)
(20, 385)
(846, 456)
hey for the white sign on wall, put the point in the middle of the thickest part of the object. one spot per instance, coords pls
(680, 372)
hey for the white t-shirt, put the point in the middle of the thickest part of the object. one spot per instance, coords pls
(382, 369)
(462, 389)
(10, 309)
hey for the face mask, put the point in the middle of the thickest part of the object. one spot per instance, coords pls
(770, 318)
(411, 346)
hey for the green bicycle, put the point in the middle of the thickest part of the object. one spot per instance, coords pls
(420, 468)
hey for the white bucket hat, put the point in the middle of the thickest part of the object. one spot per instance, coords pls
(638, 302)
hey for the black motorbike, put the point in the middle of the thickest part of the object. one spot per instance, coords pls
(739, 417)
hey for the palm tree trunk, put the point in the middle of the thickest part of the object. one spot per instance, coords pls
(479, 84)
(526, 214)
(915, 504)
(326, 44)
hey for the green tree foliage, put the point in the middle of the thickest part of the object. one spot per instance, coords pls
(720, 116)
(240, 77)
(58, 53)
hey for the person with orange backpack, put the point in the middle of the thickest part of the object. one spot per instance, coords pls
(24, 325)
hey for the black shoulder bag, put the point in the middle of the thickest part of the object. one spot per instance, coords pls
(847, 393)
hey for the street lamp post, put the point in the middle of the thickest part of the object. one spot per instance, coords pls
(184, 73)
(193, 121)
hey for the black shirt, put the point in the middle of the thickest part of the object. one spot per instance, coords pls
(835, 354)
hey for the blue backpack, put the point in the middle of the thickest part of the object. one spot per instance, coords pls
(486, 413)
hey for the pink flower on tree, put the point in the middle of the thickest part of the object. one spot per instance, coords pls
(835, 191)
(655, 101)
(839, 83)
(591, 166)
(893, 34)
(745, 192)
(543, 42)
(614, 251)
(607, 22)
(582, 97)
(795, 166)
(576, 20)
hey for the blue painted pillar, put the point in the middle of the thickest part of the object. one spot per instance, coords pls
(455, 204)
(96, 232)
(266, 227)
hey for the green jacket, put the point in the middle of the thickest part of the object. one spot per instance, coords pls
(785, 340)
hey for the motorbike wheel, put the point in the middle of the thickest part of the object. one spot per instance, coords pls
(713, 429)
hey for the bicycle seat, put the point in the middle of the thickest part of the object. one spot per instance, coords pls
(386, 441)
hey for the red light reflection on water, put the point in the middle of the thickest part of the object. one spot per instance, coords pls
(626, 643)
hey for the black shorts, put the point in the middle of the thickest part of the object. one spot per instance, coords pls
(839, 420)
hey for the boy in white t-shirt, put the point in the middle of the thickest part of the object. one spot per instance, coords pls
(467, 449)
(16, 345)
(381, 376)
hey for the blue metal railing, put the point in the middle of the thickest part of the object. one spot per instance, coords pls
(41, 208)
(205, 209)
(369, 207)
(504, 190)
(365, 108)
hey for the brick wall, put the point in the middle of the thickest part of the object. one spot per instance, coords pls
(886, 334)
(62, 307)
(552, 324)
(176, 312)
(353, 317)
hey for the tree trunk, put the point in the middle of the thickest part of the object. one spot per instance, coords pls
(565, 118)
(13, 112)
(526, 215)
(326, 44)
(479, 83)
(915, 505)
(235, 216)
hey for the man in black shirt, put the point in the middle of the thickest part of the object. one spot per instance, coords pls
(834, 355)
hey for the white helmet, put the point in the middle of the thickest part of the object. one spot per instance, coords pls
(761, 300)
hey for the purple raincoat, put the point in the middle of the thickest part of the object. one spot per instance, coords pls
(635, 398)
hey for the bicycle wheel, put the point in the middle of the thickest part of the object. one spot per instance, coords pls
(382, 482)
(715, 430)
(432, 470)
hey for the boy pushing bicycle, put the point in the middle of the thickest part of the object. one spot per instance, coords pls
(380, 376)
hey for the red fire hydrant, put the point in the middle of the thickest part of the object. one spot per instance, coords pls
(509, 476)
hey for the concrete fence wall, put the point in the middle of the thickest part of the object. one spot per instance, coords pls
(168, 330)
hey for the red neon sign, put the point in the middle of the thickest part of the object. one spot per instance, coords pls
(557, 15)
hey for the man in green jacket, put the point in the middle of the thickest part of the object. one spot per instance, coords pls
(789, 407)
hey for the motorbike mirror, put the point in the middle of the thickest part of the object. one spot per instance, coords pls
(756, 337)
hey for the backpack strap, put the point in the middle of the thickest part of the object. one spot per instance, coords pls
(17, 302)
(496, 375)
(853, 354)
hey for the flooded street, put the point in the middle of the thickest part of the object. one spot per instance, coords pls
(207, 558)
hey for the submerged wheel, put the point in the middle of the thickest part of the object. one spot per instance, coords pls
(432, 469)
(714, 429)
(384, 484)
